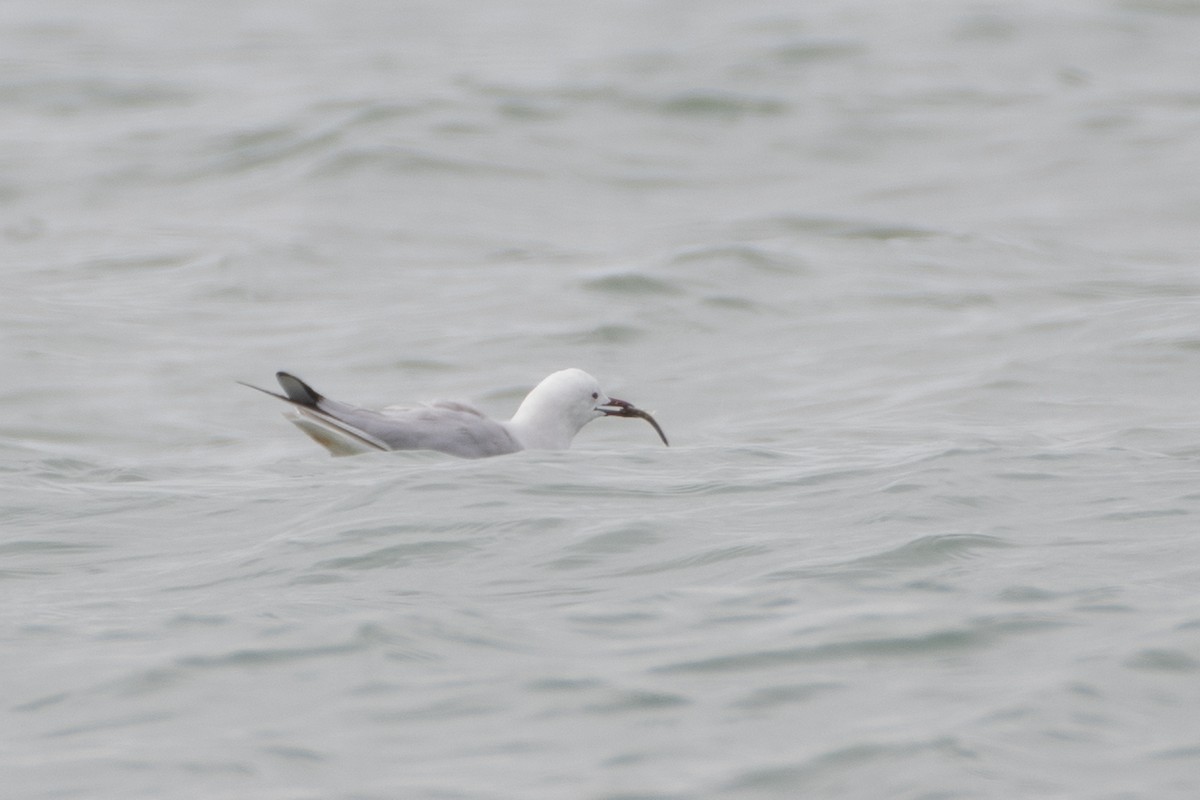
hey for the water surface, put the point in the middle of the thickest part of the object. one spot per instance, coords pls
(913, 291)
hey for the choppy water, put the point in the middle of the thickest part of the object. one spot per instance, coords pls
(913, 288)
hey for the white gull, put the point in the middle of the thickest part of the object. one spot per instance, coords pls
(547, 419)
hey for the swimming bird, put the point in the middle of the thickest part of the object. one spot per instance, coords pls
(547, 419)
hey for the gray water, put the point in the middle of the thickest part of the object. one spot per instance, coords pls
(913, 287)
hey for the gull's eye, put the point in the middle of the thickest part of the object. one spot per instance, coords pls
(595, 395)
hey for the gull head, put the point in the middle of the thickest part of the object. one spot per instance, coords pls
(559, 407)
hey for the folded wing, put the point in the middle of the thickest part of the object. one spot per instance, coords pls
(344, 429)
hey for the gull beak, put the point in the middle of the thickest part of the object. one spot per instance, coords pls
(620, 408)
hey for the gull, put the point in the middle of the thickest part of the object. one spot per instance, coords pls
(547, 419)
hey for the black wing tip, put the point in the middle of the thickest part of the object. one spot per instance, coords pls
(297, 390)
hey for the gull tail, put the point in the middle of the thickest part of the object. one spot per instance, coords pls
(312, 413)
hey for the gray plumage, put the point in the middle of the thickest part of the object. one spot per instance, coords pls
(547, 419)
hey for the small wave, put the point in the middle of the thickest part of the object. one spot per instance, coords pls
(609, 334)
(770, 697)
(1176, 8)
(47, 547)
(922, 552)
(397, 555)
(852, 759)
(268, 656)
(627, 701)
(714, 556)
(293, 753)
(813, 50)
(630, 283)
(739, 256)
(111, 723)
(722, 105)
(408, 161)
(1163, 660)
(837, 227)
(934, 549)
(916, 646)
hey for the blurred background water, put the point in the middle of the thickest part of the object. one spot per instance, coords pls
(913, 288)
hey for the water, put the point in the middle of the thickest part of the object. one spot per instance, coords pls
(912, 288)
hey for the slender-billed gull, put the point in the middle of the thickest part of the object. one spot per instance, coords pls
(548, 419)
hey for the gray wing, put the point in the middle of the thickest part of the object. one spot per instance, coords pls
(344, 429)
(447, 430)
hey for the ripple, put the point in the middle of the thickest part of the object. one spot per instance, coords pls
(609, 334)
(397, 555)
(270, 656)
(403, 160)
(247, 150)
(113, 723)
(634, 701)
(625, 539)
(294, 753)
(91, 94)
(1181, 8)
(1149, 513)
(1164, 660)
(39, 703)
(732, 303)
(1188, 753)
(934, 643)
(631, 283)
(706, 558)
(811, 50)
(936, 549)
(775, 696)
(837, 227)
(557, 685)
(739, 256)
(47, 547)
(819, 769)
(924, 551)
(720, 105)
